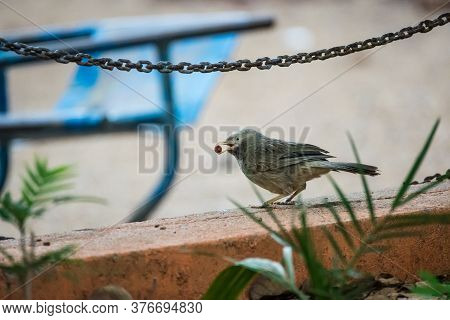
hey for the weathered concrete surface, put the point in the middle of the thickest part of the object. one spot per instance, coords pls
(149, 259)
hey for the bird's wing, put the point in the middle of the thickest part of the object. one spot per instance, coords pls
(298, 153)
(305, 148)
(277, 154)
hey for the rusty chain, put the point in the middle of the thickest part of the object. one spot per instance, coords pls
(84, 59)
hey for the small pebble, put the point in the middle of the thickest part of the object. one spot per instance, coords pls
(162, 228)
(46, 243)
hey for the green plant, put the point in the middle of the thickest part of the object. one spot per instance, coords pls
(342, 281)
(431, 287)
(42, 188)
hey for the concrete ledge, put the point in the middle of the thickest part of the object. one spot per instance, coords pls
(149, 259)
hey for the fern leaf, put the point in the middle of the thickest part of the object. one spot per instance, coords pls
(367, 193)
(7, 256)
(256, 220)
(341, 226)
(424, 189)
(411, 220)
(415, 167)
(347, 206)
(52, 257)
(274, 218)
(335, 246)
(394, 235)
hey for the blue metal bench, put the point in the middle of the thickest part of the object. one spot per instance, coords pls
(99, 101)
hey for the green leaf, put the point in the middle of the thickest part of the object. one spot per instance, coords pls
(315, 268)
(17, 211)
(43, 185)
(341, 227)
(32, 177)
(70, 198)
(63, 170)
(7, 256)
(395, 235)
(38, 212)
(27, 198)
(415, 219)
(40, 165)
(54, 187)
(28, 187)
(288, 263)
(283, 231)
(229, 284)
(347, 206)
(256, 219)
(279, 240)
(335, 246)
(374, 249)
(415, 167)
(54, 256)
(424, 189)
(432, 287)
(367, 192)
(275, 271)
(271, 269)
(17, 269)
(5, 215)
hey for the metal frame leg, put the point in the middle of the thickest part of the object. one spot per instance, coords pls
(170, 133)
(4, 145)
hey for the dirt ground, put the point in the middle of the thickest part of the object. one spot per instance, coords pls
(388, 102)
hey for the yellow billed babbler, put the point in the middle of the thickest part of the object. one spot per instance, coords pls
(283, 167)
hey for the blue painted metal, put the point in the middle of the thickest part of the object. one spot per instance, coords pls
(4, 145)
(54, 34)
(171, 138)
(99, 101)
(136, 97)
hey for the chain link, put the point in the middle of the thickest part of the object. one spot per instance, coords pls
(435, 177)
(265, 63)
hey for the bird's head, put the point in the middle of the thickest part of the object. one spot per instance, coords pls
(237, 141)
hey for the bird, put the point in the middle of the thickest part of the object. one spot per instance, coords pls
(281, 167)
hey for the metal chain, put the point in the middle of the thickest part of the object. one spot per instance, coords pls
(84, 59)
(435, 177)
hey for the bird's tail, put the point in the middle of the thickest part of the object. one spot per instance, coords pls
(350, 167)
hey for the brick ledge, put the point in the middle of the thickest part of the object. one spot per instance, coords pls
(147, 258)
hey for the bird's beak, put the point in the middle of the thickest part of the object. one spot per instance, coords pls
(222, 147)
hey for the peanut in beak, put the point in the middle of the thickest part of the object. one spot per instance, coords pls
(221, 147)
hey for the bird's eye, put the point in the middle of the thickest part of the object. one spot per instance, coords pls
(237, 139)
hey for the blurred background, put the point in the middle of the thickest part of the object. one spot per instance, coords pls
(388, 102)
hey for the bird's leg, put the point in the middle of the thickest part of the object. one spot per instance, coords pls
(268, 203)
(289, 201)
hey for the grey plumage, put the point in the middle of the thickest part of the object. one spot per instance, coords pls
(284, 167)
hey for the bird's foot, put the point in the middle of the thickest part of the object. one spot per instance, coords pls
(285, 203)
(261, 206)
